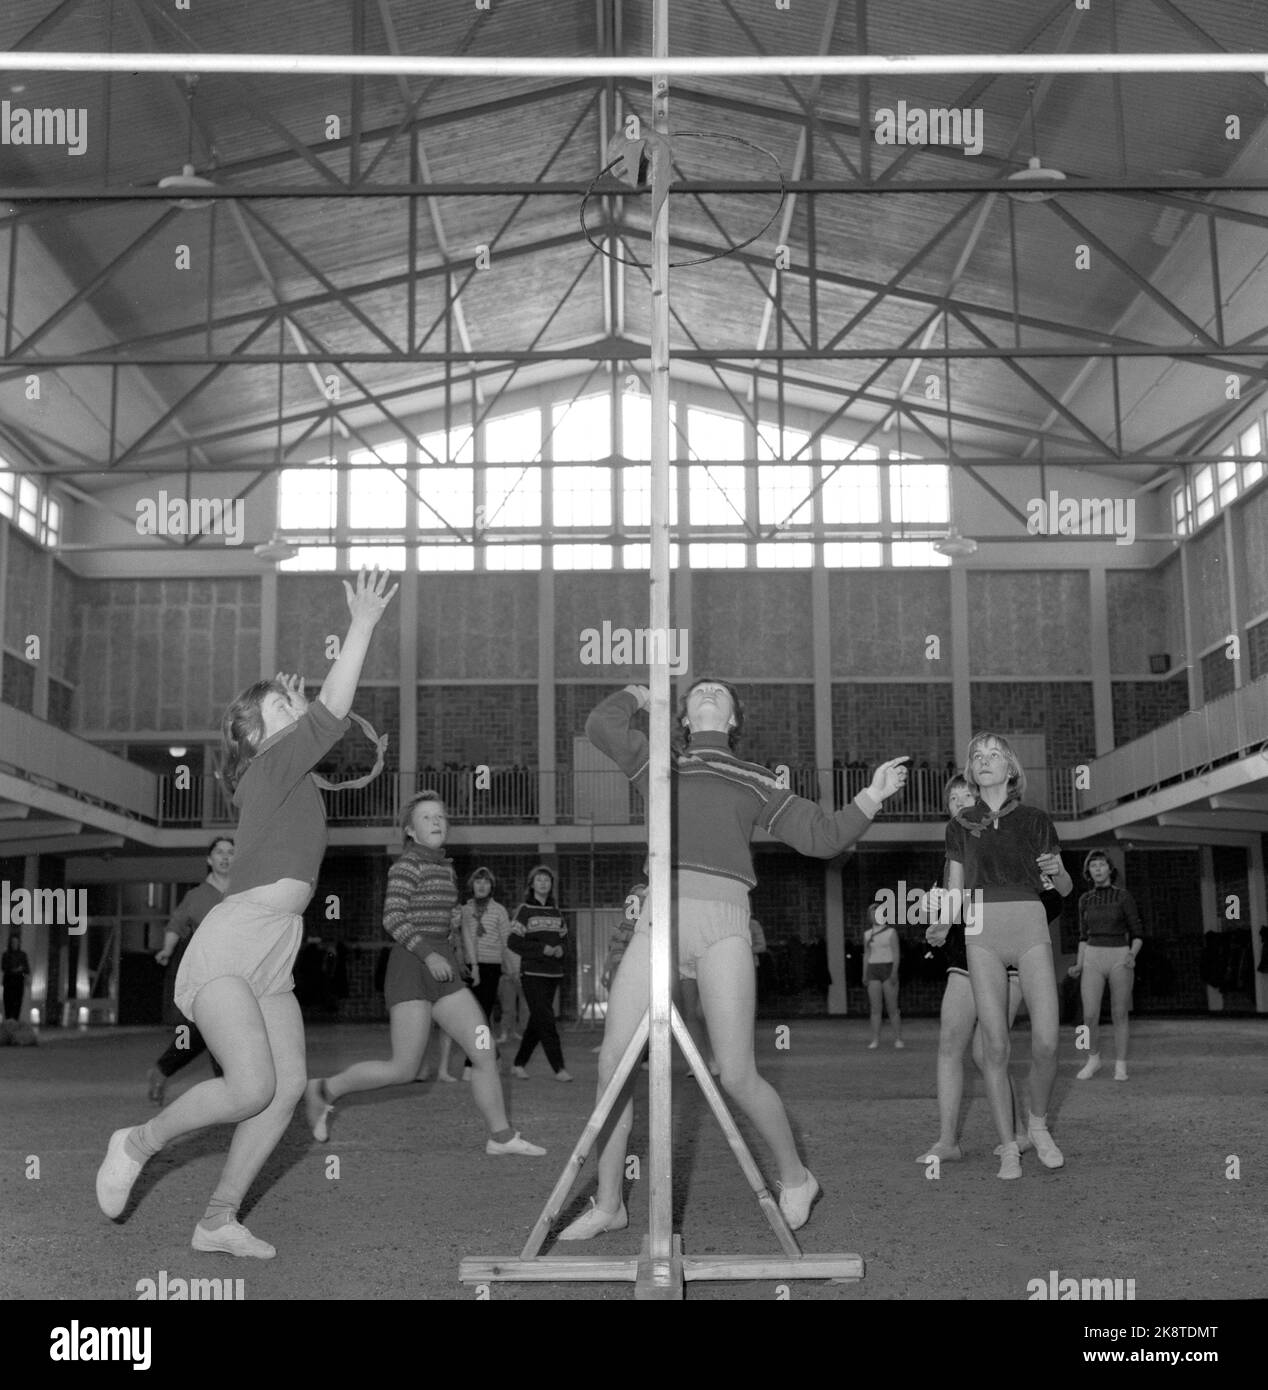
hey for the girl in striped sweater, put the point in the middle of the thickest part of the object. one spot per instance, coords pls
(423, 980)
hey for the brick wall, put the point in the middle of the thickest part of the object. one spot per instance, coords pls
(1139, 619)
(313, 608)
(1061, 710)
(573, 704)
(1141, 706)
(748, 624)
(779, 725)
(878, 622)
(469, 724)
(1217, 674)
(477, 626)
(17, 684)
(165, 654)
(1208, 588)
(1029, 623)
(1257, 650)
(25, 593)
(585, 601)
(1252, 519)
(878, 721)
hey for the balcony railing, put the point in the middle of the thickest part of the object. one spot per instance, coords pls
(516, 796)
(1227, 728)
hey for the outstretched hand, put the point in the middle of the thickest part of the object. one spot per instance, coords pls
(889, 778)
(294, 687)
(368, 601)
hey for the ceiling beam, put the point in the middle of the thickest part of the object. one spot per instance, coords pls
(1179, 835)
(1250, 821)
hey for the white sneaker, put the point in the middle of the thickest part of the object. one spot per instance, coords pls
(232, 1238)
(1009, 1161)
(594, 1222)
(514, 1145)
(116, 1175)
(317, 1111)
(899, 1044)
(1049, 1155)
(520, 1072)
(562, 1075)
(795, 1202)
(1090, 1068)
(1120, 1071)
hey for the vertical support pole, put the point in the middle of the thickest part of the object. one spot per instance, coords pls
(660, 1230)
(1102, 668)
(1258, 916)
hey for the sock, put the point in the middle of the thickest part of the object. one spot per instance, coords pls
(220, 1211)
(501, 1136)
(1038, 1121)
(141, 1144)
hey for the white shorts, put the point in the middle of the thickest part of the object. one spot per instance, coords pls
(243, 937)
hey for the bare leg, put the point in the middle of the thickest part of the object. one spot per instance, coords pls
(693, 1017)
(958, 1017)
(874, 1004)
(228, 1016)
(990, 995)
(1039, 986)
(410, 1025)
(460, 1015)
(728, 993)
(255, 1139)
(890, 991)
(628, 1001)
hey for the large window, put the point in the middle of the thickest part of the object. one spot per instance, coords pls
(512, 497)
(514, 438)
(445, 497)
(717, 495)
(377, 493)
(28, 503)
(478, 497)
(582, 429)
(1211, 488)
(581, 496)
(636, 495)
(308, 497)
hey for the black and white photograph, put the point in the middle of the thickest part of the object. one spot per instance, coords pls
(634, 646)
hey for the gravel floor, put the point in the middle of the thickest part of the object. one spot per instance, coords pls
(1144, 1194)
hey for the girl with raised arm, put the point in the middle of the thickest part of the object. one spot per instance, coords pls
(235, 980)
(720, 802)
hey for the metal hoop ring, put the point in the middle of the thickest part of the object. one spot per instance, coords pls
(698, 260)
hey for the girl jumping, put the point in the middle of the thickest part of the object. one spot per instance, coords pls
(235, 982)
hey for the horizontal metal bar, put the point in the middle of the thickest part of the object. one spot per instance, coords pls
(622, 353)
(764, 65)
(573, 188)
(93, 470)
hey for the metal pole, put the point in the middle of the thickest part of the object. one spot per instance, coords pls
(660, 1118)
(654, 67)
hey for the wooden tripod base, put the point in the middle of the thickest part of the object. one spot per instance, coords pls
(666, 1277)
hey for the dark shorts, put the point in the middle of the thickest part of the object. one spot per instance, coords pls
(880, 972)
(409, 978)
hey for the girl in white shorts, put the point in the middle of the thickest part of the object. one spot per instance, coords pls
(235, 979)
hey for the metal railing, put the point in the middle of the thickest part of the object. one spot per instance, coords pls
(1226, 728)
(484, 795)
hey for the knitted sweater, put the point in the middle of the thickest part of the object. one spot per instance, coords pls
(719, 800)
(422, 893)
(1108, 917)
(535, 927)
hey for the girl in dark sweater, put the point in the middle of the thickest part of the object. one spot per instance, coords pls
(538, 932)
(1110, 938)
